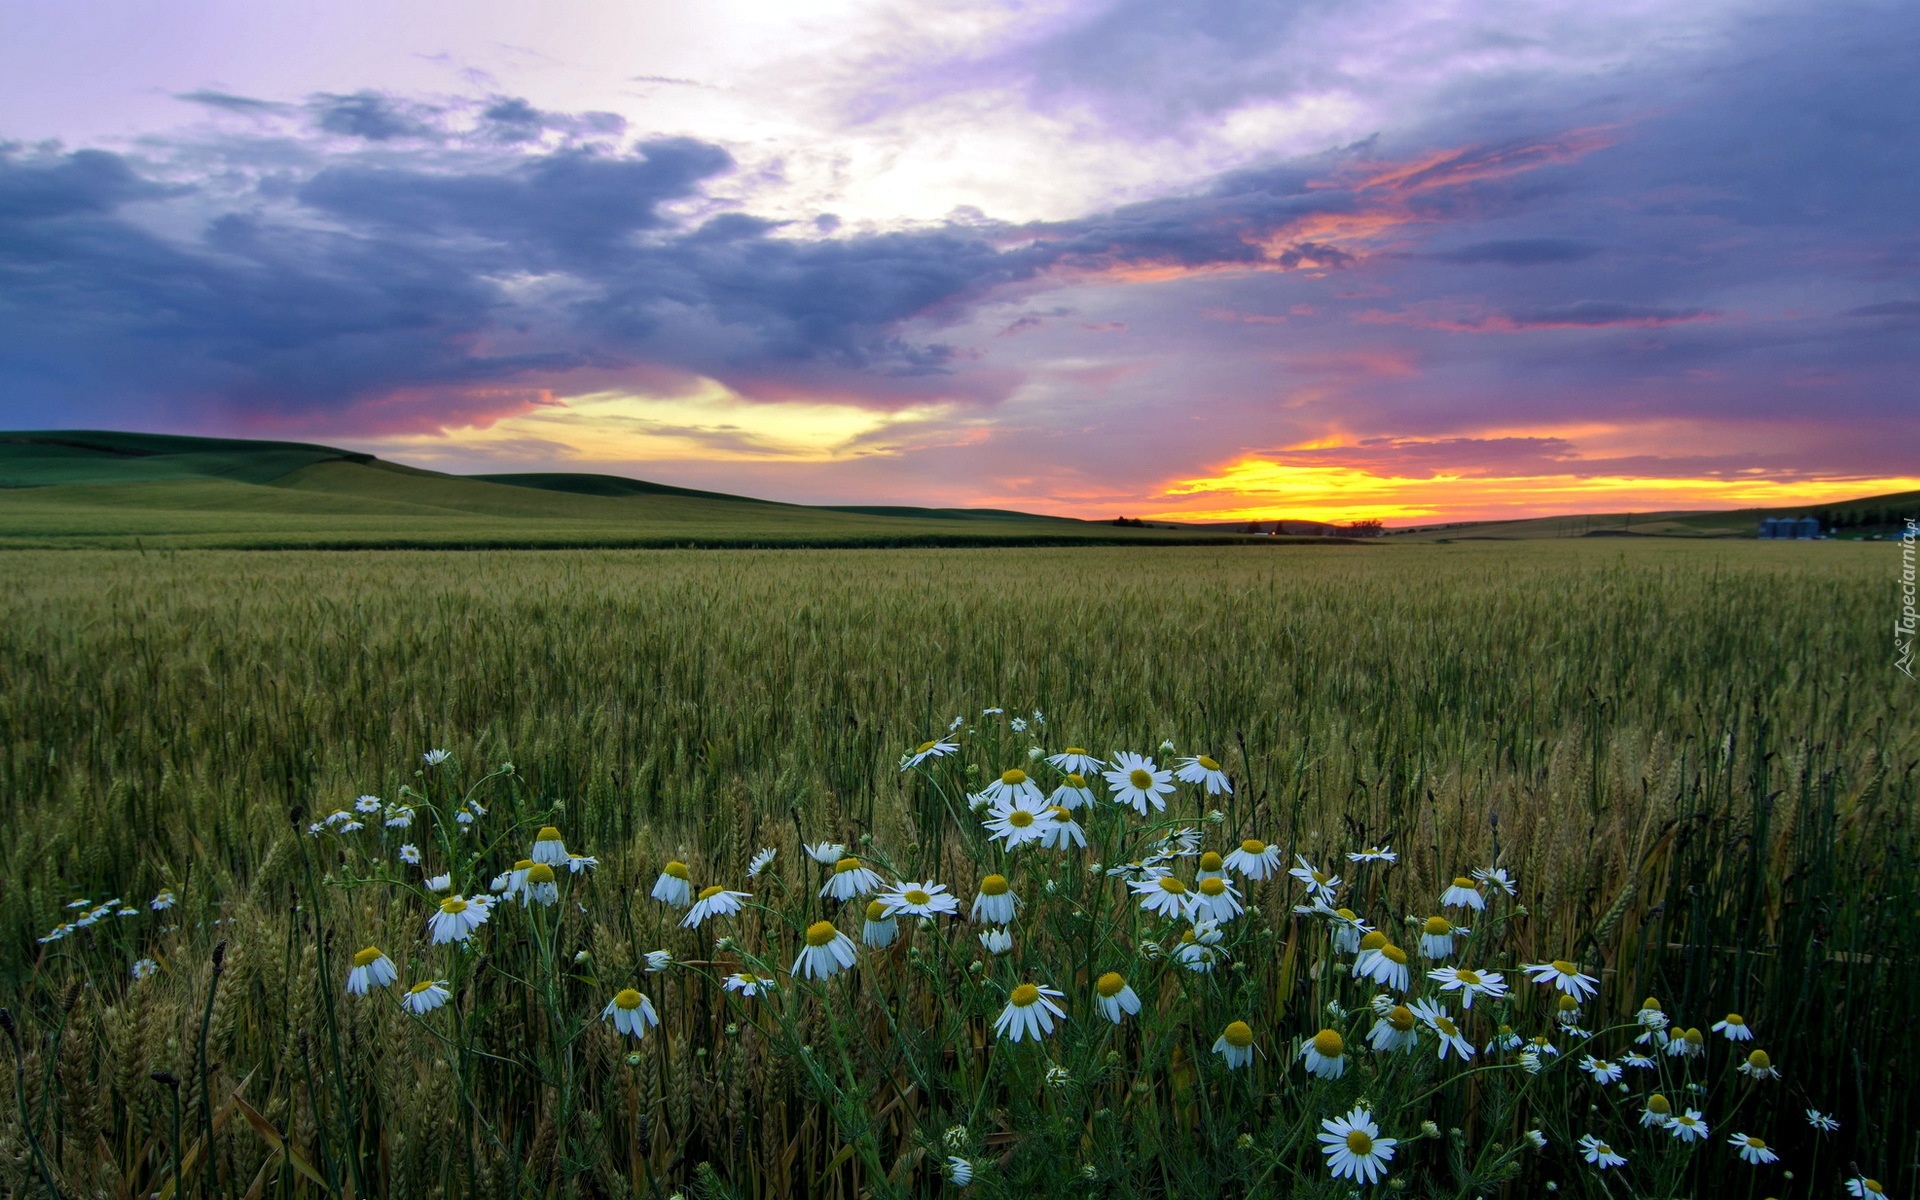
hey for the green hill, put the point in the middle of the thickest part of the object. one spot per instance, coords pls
(1868, 514)
(92, 488)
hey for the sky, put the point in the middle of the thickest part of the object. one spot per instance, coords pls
(1414, 260)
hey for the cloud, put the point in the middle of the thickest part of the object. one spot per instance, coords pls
(227, 102)
(371, 116)
(1521, 252)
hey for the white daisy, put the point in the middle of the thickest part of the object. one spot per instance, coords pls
(1394, 1030)
(434, 758)
(1354, 1148)
(1863, 1187)
(760, 862)
(631, 1012)
(1019, 819)
(1436, 937)
(1463, 894)
(826, 853)
(162, 901)
(1114, 998)
(750, 986)
(937, 748)
(827, 952)
(143, 967)
(1759, 1066)
(996, 940)
(1030, 1012)
(1075, 761)
(548, 848)
(919, 899)
(1468, 983)
(1436, 1019)
(1734, 1027)
(1687, 1043)
(959, 1170)
(1496, 877)
(880, 929)
(994, 903)
(1136, 781)
(1064, 833)
(1601, 1070)
(457, 918)
(1638, 1062)
(1217, 899)
(674, 887)
(367, 804)
(1203, 770)
(1688, 1126)
(1318, 883)
(1374, 854)
(1014, 786)
(1255, 859)
(850, 879)
(1599, 1153)
(509, 883)
(1165, 896)
(1235, 1045)
(1348, 929)
(400, 818)
(425, 996)
(1566, 977)
(1753, 1149)
(438, 883)
(410, 854)
(658, 961)
(715, 901)
(577, 863)
(538, 886)
(1195, 950)
(1657, 1114)
(1072, 793)
(1325, 1054)
(1821, 1121)
(1384, 963)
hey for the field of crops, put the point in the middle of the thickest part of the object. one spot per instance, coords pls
(1693, 761)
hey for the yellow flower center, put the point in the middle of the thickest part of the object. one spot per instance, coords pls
(1759, 1060)
(627, 1000)
(1110, 984)
(1736, 1019)
(1172, 886)
(1470, 978)
(525, 864)
(1024, 995)
(1076, 780)
(1345, 914)
(1320, 877)
(1373, 939)
(547, 834)
(845, 865)
(1329, 1043)
(367, 957)
(1400, 1017)
(1756, 1143)
(1187, 938)
(1140, 779)
(1359, 1142)
(1206, 763)
(1873, 1185)
(876, 911)
(1694, 1036)
(1074, 750)
(1566, 968)
(1657, 1103)
(1019, 818)
(705, 893)
(417, 988)
(542, 873)
(1568, 1003)
(915, 896)
(677, 869)
(453, 904)
(1060, 814)
(1461, 881)
(1446, 1026)
(926, 746)
(1211, 861)
(1213, 887)
(993, 885)
(1394, 954)
(820, 933)
(1647, 1005)
(1013, 777)
(1438, 927)
(1602, 1148)
(1253, 846)
(1239, 1035)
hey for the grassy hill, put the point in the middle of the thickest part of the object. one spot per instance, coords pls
(71, 488)
(1869, 514)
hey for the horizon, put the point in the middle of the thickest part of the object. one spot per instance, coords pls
(1227, 263)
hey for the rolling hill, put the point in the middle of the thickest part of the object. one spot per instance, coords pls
(1866, 514)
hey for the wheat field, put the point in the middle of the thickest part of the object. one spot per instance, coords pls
(1694, 759)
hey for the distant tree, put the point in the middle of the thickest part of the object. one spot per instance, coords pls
(1366, 528)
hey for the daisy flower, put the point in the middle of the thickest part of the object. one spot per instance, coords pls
(1504, 1038)
(1821, 1121)
(410, 854)
(400, 818)
(509, 883)
(371, 969)
(1638, 1062)
(425, 996)
(1463, 894)
(1135, 780)
(1165, 896)
(1599, 1153)
(1235, 1044)
(1374, 854)
(631, 1012)
(1114, 998)
(658, 961)
(1019, 819)
(1734, 1027)
(1861, 1186)
(959, 1170)
(1075, 761)
(1468, 983)
(1688, 1126)
(1492, 877)
(880, 928)
(1030, 1012)
(1195, 950)
(1318, 882)
(1064, 833)
(994, 903)
(1325, 1054)
(760, 862)
(1385, 963)
(1072, 793)
(715, 901)
(1348, 929)
(1657, 1113)
(1211, 866)
(1651, 1016)
(1753, 1149)
(143, 967)
(996, 940)
(548, 848)
(937, 748)
(1436, 937)
(457, 919)
(538, 886)
(434, 758)
(1601, 1070)
(928, 899)
(1688, 1043)
(750, 986)
(850, 879)
(164, 900)
(1436, 1019)
(577, 863)
(1203, 770)
(439, 883)
(674, 887)
(1218, 899)
(1014, 786)
(1759, 1066)
(1565, 976)
(825, 853)
(1393, 1030)
(367, 804)
(1255, 859)
(1354, 1148)
(827, 952)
